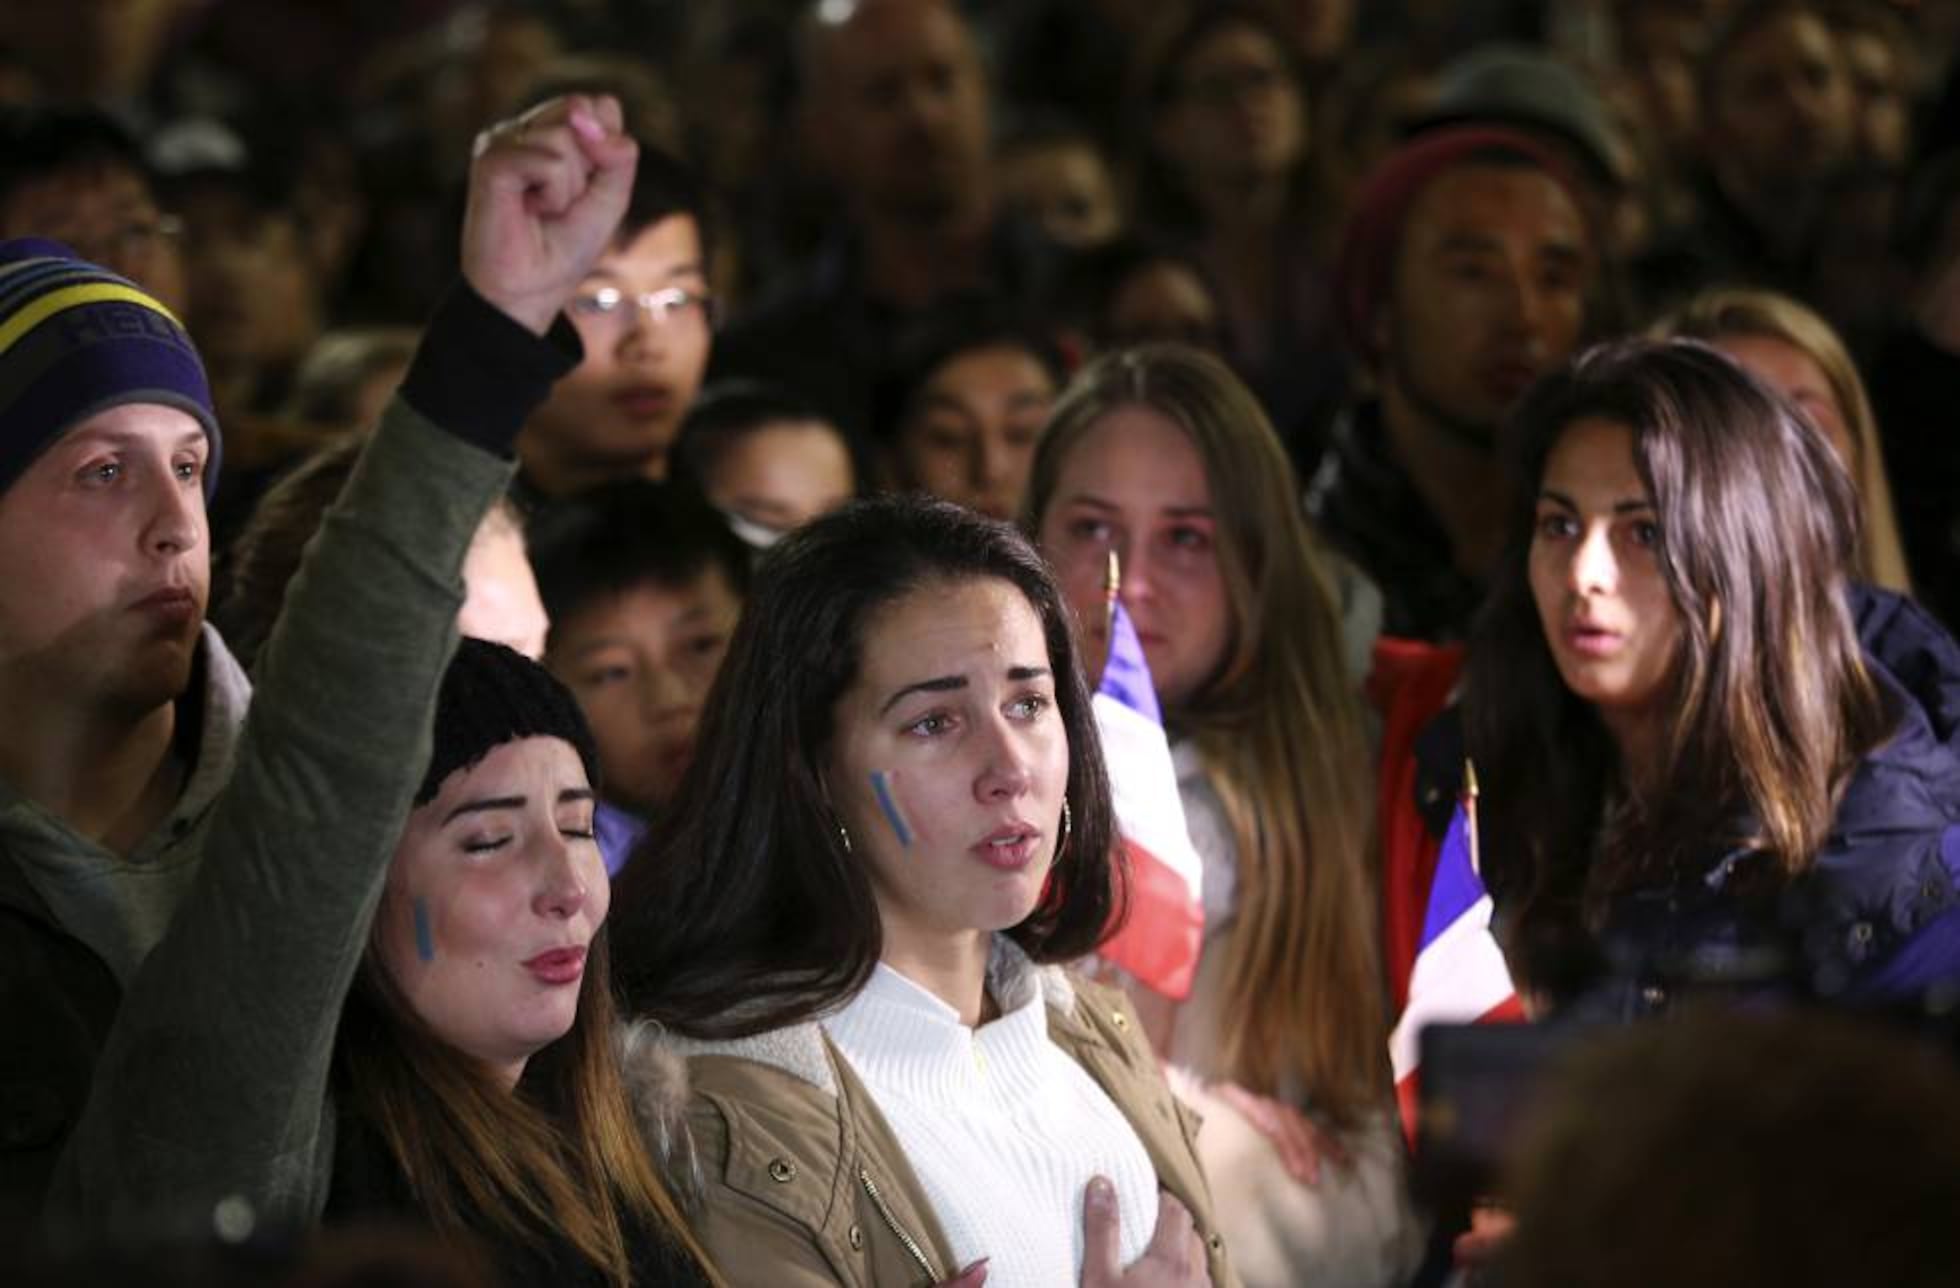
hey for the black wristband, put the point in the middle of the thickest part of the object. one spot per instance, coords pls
(478, 373)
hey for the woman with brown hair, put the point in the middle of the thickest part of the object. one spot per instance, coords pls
(470, 1084)
(1692, 769)
(1790, 348)
(478, 1082)
(1160, 455)
(853, 926)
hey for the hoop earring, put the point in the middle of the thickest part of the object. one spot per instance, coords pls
(843, 836)
(1068, 824)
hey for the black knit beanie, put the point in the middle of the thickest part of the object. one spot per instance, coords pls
(492, 695)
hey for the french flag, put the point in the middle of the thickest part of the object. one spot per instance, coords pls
(1159, 942)
(1460, 976)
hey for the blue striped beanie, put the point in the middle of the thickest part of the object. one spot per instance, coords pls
(75, 341)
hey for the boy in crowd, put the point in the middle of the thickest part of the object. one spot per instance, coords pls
(645, 314)
(643, 583)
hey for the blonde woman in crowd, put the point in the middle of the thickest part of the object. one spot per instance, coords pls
(1796, 352)
(1161, 455)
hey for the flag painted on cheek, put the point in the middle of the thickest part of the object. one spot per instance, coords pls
(1159, 942)
(882, 787)
(425, 935)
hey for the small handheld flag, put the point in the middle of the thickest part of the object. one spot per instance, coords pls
(1159, 942)
(1460, 976)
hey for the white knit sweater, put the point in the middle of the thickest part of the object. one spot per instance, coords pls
(1003, 1129)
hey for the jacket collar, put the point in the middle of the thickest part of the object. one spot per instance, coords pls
(1368, 507)
(77, 885)
(801, 1051)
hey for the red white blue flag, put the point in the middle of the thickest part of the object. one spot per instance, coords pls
(1460, 976)
(1159, 942)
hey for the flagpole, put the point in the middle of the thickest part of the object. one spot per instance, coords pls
(1112, 586)
(1470, 815)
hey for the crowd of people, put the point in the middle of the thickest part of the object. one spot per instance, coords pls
(555, 556)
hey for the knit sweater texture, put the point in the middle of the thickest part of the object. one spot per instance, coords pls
(1003, 1129)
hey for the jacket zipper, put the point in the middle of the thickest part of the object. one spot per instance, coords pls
(891, 1223)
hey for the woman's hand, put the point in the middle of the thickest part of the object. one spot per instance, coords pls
(973, 1276)
(1301, 1142)
(1175, 1257)
(547, 191)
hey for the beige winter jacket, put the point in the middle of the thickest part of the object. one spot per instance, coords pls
(793, 1177)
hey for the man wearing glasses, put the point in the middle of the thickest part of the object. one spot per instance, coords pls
(646, 317)
(75, 176)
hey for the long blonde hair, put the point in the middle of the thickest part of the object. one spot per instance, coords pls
(1741, 311)
(1281, 734)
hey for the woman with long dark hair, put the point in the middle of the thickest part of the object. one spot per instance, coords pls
(1691, 769)
(896, 828)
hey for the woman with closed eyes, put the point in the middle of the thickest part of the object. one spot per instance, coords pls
(478, 1086)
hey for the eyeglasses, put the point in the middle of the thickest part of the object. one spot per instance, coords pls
(137, 239)
(613, 307)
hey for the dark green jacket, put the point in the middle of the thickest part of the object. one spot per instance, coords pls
(205, 1057)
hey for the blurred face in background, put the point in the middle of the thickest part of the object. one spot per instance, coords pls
(640, 663)
(1235, 113)
(1162, 300)
(1366, 113)
(255, 297)
(897, 109)
(1880, 89)
(1660, 43)
(106, 213)
(1795, 374)
(782, 474)
(1062, 186)
(1780, 110)
(970, 433)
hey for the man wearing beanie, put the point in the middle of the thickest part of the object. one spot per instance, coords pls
(1462, 278)
(184, 892)
(107, 445)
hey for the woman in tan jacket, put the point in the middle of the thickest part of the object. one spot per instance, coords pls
(896, 826)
